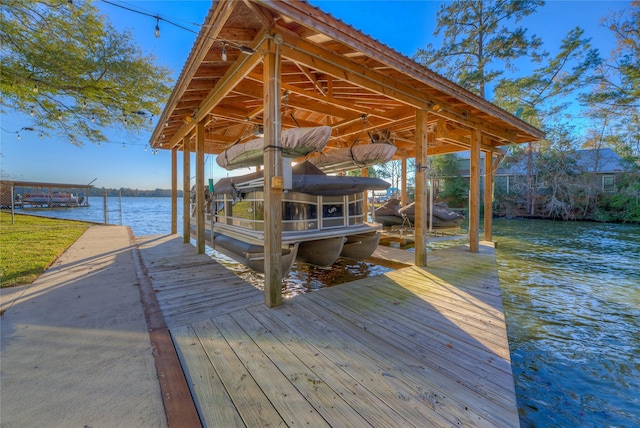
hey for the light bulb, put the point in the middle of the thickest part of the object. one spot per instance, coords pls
(157, 33)
(35, 88)
(122, 146)
(98, 144)
(19, 137)
(33, 112)
(224, 51)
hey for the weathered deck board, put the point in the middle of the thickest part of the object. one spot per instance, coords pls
(413, 347)
(191, 286)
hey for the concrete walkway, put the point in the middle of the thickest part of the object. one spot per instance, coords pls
(75, 348)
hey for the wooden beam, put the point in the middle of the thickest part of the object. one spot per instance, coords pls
(200, 226)
(174, 191)
(474, 192)
(186, 190)
(230, 80)
(460, 137)
(272, 173)
(420, 222)
(488, 196)
(403, 194)
(313, 79)
(364, 172)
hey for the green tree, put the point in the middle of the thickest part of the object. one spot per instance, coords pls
(67, 67)
(477, 38)
(544, 93)
(454, 189)
(618, 83)
(392, 171)
(614, 100)
(541, 96)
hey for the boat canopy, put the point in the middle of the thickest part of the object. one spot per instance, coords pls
(307, 178)
(294, 143)
(354, 157)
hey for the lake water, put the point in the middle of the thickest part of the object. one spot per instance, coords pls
(571, 294)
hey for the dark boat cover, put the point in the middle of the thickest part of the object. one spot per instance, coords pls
(308, 179)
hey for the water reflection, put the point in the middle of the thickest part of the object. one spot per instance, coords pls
(304, 278)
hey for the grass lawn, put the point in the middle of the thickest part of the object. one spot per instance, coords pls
(30, 245)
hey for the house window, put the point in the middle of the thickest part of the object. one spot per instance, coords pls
(608, 183)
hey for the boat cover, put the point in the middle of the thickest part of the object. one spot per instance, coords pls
(390, 207)
(440, 211)
(307, 178)
(295, 142)
(354, 157)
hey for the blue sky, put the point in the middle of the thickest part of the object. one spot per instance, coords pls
(404, 26)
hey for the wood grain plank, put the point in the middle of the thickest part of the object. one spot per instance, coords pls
(455, 399)
(314, 388)
(290, 403)
(366, 403)
(204, 381)
(254, 407)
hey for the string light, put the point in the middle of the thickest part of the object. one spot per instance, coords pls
(122, 146)
(19, 137)
(157, 27)
(33, 112)
(224, 51)
(98, 144)
(35, 88)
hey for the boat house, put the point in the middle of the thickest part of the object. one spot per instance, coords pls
(260, 67)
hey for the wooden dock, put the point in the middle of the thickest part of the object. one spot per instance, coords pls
(413, 347)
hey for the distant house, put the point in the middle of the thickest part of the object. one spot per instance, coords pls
(602, 164)
(511, 177)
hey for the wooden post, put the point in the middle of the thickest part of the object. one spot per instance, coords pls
(420, 222)
(174, 190)
(13, 207)
(186, 190)
(364, 172)
(200, 226)
(488, 196)
(403, 194)
(474, 192)
(273, 180)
